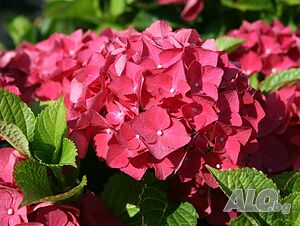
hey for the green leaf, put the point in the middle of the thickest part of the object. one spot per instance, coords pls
(118, 203)
(13, 135)
(245, 178)
(290, 2)
(228, 44)
(13, 110)
(143, 19)
(2, 46)
(132, 210)
(68, 196)
(251, 5)
(292, 216)
(254, 80)
(117, 7)
(69, 153)
(280, 80)
(21, 29)
(157, 210)
(185, 214)
(49, 131)
(36, 184)
(282, 179)
(65, 26)
(67, 158)
(280, 222)
(240, 221)
(73, 9)
(32, 177)
(37, 106)
(293, 184)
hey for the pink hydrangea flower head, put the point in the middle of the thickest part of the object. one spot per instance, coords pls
(50, 214)
(191, 10)
(268, 48)
(145, 97)
(10, 211)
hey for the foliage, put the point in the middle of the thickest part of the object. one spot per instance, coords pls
(146, 202)
(44, 160)
(246, 178)
(67, 16)
(46, 149)
(280, 80)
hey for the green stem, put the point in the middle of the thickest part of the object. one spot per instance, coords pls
(60, 177)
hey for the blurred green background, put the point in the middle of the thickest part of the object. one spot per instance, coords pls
(34, 20)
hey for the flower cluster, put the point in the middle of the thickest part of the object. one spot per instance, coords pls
(191, 10)
(158, 99)
(270, 48)
(278, 136)
(267, 49)
(11, 198)
(88, 211)
(43, 71)
(152, 99)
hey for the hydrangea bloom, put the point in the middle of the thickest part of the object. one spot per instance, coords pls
(191, 10)
(278, 136)
(146, 99)
(158, 99)
(268, 48)
(10, 213)
(44, 70)
(11, 198)
(52, 215)
(149, 98)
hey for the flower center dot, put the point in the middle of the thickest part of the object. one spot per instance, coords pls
(194, 110)
(10, 211)
(172, 90)
(159, 66)
(108, 131)
(274, 70)
(218, 166)
(280, 118)
(248, 72)
(159, 133)
(221, 139)
(268, 51)
(137, 136)
(196, 84)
